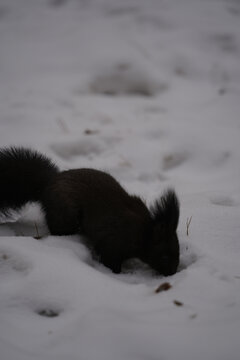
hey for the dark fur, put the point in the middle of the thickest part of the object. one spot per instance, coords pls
(118, 226)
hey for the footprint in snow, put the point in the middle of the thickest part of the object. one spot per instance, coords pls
(233, 7)
(151, 177)
(44, 308)
(223, 42)
(223, 201)
(48, 312)
(154, 134)
(126, 79)
(82, 147)
(3, 12)
(57, 3)
(120, 11)
(13, 263)
(91, 144)
(174, 159)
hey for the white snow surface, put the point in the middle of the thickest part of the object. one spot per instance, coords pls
(150, 92)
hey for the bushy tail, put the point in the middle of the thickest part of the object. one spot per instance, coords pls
(166, 210)
(24, 174)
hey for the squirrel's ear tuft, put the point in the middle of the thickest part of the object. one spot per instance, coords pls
(166, 210)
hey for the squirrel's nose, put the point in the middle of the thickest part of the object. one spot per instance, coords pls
(167, 267)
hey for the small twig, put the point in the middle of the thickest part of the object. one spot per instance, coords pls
(188, 224)
(38, 236)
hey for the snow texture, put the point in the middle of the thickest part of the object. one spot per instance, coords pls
(148, 91)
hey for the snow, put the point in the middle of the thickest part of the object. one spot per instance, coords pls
(148, 91)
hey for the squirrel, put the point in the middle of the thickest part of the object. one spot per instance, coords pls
(118, 226)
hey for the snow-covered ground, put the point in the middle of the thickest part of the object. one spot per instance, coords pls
(150, 92)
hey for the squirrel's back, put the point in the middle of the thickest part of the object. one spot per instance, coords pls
(24, 174)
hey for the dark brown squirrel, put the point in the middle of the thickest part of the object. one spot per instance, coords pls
(118, 226)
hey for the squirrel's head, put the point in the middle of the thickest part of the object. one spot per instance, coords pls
(162, 252)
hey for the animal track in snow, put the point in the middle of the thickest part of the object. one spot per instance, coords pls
(3, 11)
(48, 308)
(222, 201)
(121, 11)
(173, 159)
(154, 109)
(233, 7)
(48, 312)
(57, 3)
(124, 79)
(82, 147)
(153, 21)
(220, 158)
(154, 134)
(13, 263)
(225, 42)
(184, 67)
(147, 177)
